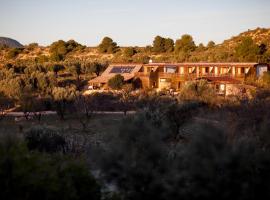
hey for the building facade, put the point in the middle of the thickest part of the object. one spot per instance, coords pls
(174, 75)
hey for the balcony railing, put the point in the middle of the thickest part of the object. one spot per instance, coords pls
(215, 75)
(190, 75)
(193, 75)
(170, 75)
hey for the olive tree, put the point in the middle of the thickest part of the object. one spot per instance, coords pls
(85, 106)
(62, 97)
(116, 82)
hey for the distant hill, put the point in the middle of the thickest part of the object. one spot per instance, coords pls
(4, 41)
(259, 36)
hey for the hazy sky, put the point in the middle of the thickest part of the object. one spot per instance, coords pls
(128, 22)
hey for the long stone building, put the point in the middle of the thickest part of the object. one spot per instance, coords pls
(174, 75)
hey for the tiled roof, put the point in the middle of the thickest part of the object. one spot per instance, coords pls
(107, 75)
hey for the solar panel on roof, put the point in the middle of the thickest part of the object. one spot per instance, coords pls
(122, 69)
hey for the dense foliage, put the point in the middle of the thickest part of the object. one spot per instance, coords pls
(146, 162)
(194, 145)
(116, 82)
(108, 46)
(250, 46)
(27, 175)
(180, 147)
(161, 45)
(61, 48)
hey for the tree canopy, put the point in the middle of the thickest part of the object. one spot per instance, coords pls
(211, 44)
(183, 47)
(116, 82)
(247, 50)
(185, 44)
(94, 67)
(108, 46)
(161, 45)
(60, 49)
(129, 52)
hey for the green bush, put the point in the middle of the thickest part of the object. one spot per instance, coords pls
(60, 49)
(198, 90)
(29, 175)
(32, 46)
(95, 67)
(13, 53)
(247, 50)
(116, 82)
(129, 52)
(62, 98)
(266, 79)
(135, 159)
(179, 114)
(45, 140)
(208, 165)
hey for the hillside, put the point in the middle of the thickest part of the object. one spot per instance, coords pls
(259, 36)
(224, 52)
(4, 41)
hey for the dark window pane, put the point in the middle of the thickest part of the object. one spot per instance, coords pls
(170, 69)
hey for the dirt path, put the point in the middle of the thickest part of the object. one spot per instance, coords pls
(21, 114)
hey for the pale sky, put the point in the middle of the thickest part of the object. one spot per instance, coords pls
(128, 22)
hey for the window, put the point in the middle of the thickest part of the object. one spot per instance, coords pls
(222, 87)
(247, 70)
(224, 70)
(261, 69)
(190, 70)
(207, 70)
(170, 69)
(164, 80)
(239, 70)
(182, 70)
(150, 69)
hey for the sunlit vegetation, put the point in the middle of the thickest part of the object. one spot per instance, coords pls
(151, 145)
(170, 149)
(247, 47)
(60, 49)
